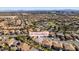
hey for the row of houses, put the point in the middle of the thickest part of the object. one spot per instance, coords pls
(12, 44)
(59, 42)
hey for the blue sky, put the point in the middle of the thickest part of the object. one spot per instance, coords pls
(36, 8)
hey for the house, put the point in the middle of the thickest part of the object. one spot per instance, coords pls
(6, 32)
(4, 39)
(13, 48)
(57, 45)
(68, 37)
(25, 47)
(61, 38)
(59, 34)
(18, 22)
(11, 31)
(47, 43)
(73, 36)
(68, 47)
(11, 41)
(37, 29)
(30, 29)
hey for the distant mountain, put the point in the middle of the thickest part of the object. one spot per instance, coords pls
(70, 12)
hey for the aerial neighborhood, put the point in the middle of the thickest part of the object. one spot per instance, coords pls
(50, 31)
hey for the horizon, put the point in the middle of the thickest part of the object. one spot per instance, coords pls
(2, 9)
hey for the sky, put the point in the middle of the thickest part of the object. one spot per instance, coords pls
(36, 8)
